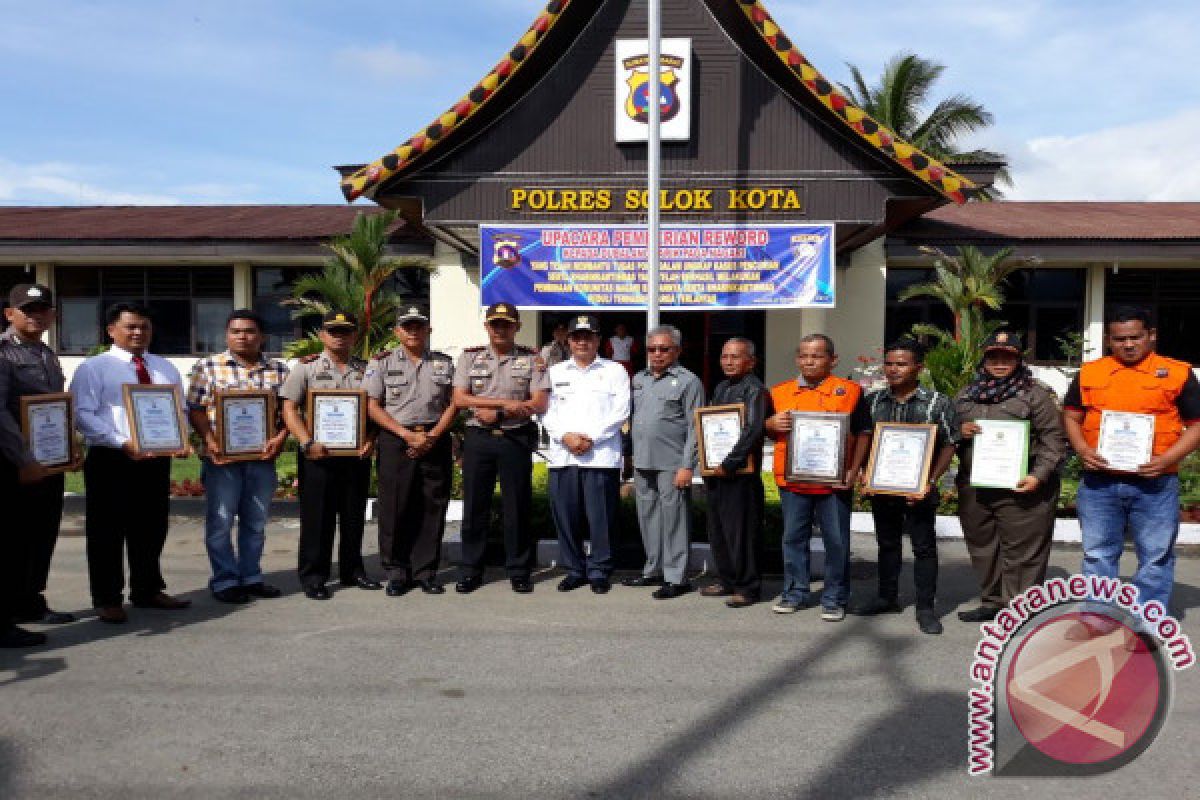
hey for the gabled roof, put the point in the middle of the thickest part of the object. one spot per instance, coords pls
(408, 157)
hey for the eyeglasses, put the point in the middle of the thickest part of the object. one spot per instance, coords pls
(660, 349)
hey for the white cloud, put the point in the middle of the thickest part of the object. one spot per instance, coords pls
(1152, 161)
(59, 183)
(384, 62)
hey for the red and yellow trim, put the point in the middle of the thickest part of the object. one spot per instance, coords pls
(937, 175)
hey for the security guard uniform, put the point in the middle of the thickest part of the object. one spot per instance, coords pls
(505, 449)
(331, 488)
(413, 492)
(33, 511)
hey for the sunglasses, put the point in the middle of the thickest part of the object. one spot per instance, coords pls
(660, 349)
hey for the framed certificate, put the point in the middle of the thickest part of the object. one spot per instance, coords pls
(1000, 453)
(47, 421)
(245, 421)
(155, 414)
(901, 456)
(816, 447)
(337, 418)
(1126, 439)
(718, 429)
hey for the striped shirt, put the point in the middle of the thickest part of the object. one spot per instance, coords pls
(924, 406)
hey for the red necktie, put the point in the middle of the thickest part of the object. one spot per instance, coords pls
(143, 374)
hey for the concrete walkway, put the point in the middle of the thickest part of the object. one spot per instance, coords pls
(500, 695)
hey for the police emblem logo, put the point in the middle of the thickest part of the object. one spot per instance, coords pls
(1001, 338)
(581, 320)
(637, 102)
(839, 391)
(506, 253)
(805, 246)
(1160, 373)
(33, 292)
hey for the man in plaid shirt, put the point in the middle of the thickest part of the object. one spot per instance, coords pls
(243, 488)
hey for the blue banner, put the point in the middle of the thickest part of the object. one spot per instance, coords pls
(603, 267)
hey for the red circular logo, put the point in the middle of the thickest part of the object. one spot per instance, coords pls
(1083, 688)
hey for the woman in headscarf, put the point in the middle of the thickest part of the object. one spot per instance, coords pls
(1008, 531)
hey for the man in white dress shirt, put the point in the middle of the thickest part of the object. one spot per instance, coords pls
(128, 491)
(589, 402)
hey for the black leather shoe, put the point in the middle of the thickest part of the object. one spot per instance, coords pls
(643, 580)
(317, 592)
(571, 583)
(600, 585)
(262, 590)
(981, 614)
(19, 637)
(928, 622)
(468, 585)
(878, 605)
(234, 594)
(363, 582)
(431, 586)
(47, 617)
(521, 585)
(397, 588)
(670, 590)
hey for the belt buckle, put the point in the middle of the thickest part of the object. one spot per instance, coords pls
(419, 428)
(497, 431)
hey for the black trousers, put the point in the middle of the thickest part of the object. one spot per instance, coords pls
(735, 520)
(332, 489)
(895, 519)
(127, 505)
(413, 496)
(585, 498)
(33, 514)
(487, 455)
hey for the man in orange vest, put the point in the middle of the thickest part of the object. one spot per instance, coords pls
(1137, 380)
(815, 389)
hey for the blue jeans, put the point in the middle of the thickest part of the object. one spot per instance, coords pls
(1149, 508)
(832, 513)
(244, 489)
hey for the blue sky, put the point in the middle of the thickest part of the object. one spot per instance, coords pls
(161, 101)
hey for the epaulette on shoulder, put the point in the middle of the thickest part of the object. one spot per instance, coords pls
(1046, 387)
(474, 349)
(525, 350)
(381, 355)
(439, 354)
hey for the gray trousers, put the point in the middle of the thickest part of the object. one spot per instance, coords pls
(665, 522)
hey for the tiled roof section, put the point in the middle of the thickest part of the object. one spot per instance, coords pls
(1050, 221)
(944, 180)
(178, 223)
(365, 181)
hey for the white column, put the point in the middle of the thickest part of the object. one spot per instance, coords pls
(1093, 325)
(243, 284)
(44, 274)
(454, 297)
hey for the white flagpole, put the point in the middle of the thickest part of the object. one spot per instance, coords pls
(653, 168)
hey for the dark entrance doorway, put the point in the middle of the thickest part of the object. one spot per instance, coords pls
(704, 332)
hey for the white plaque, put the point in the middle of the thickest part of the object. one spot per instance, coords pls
(1126, 439)
(1000, 453)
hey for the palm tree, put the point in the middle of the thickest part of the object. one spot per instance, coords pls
(354, 279)
(898, 102)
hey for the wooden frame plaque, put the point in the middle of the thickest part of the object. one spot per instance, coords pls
(245, 422)
(717, 430)
(812, 432)
(155, 415)
(901, 457)
(333, 423)
(48, 425)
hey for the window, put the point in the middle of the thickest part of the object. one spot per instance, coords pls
(10, 277)
(1173, 297)
(1042, 305)
(188, 305)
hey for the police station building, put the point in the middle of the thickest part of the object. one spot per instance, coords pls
(785, 211)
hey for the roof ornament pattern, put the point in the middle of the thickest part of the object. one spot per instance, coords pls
(371, 177)
(930, 171)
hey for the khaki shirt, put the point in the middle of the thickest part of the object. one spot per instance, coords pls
(321, 373)
(412, 393)
(25, 369)
(514, 376)
(1047, 439)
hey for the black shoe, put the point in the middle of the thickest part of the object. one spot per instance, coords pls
(928, 622)
(600, 585)
(397, 588)
(317, 592)
(262, 590)
(642, 580)
(363, 582)
(234, 594)
(47, 617)
(468, 585)
(431, 586)
(571, 583)
(670, 590)
(521, 585)
(981, 614)
(19, 637)
(878, 605)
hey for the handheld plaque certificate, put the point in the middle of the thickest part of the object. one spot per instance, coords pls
(718, 429)
(337, 418)
(816, 447)
(1000, 453)
(245, 421)
(1126, 439)
(155, 414)
(901, 455)
(47, 421)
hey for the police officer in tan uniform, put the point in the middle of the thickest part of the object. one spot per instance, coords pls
(503, 385)
(411, 400)
(331, 487)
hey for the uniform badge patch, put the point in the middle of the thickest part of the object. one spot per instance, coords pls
(1160, 373)
(839, 391)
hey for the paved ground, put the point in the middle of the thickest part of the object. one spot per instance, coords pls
(499, 695)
